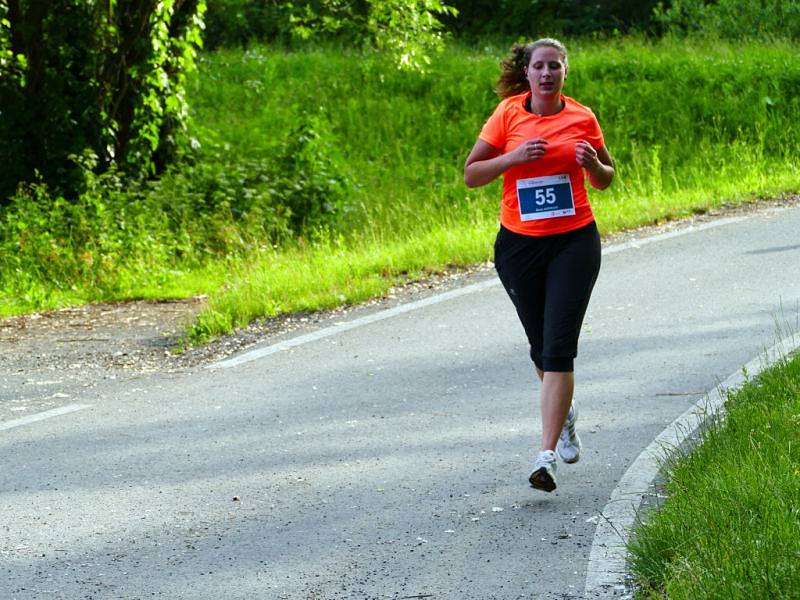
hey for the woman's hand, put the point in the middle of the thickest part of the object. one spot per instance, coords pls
(529, 150)
(598, 164)
(485, 163)
(586, 156)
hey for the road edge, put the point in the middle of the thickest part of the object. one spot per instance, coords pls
(606, 571)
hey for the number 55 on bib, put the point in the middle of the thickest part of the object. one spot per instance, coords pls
(545, 197)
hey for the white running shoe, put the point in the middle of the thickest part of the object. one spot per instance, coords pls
(569, 446)
(544, 471)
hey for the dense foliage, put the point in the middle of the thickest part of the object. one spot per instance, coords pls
(119, 237)
(90, 85)
(86, 85)
(732, 19)
(539, 18)
(239, 22)
(405, 30)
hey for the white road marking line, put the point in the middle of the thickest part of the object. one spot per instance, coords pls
(660, 237)
(608, 556)
(264, 351)
(347, 325)
(56, 412)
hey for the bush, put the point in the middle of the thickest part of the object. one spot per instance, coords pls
(239, 22)
(310, 180)
(221, 205)
(90, 242)
(408, 31)
(270, 196)
(538, 18)
(732, 19)
(117, 237)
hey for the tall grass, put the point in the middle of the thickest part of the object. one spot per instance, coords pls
(730, 526)
(687, 123)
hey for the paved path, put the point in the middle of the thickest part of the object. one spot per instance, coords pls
(389, 460)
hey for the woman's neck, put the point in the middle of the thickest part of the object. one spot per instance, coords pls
(546, 106)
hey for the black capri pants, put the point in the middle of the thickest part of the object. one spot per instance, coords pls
(550, 279)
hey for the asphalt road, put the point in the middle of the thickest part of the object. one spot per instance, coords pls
(389, 460)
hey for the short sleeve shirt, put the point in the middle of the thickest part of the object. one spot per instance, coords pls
(510, 125)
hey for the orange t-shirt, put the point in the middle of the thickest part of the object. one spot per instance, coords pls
(510, 125)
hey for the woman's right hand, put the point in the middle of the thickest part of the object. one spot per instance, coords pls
(529, 150)
(486, 162)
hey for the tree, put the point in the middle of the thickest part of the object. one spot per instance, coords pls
(90, 84)
(732, 19)
(408, 29)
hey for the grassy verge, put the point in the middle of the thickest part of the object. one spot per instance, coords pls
(330, 274)
(730, 526)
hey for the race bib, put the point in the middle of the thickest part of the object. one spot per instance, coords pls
(545, 197)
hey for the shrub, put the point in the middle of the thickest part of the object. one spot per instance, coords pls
(239, 22)
(310, 179)
(732, 19)
(88, 242)
(116, 237)
(221, 204)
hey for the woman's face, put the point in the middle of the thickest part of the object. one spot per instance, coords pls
(546, 72)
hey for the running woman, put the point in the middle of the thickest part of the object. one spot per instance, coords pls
(547, 252)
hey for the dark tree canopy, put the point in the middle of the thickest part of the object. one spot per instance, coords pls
(238, 22)
(535, 18)
(90, 84)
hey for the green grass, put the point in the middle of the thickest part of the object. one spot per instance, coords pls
(686, 123)
(330, 273)
(172, 284)
(691, 124)
(730, 526)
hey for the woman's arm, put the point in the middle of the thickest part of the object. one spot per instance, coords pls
(485, 162)
(598, 164)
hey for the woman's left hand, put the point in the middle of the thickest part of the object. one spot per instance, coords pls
(586, 156)
(598, 164)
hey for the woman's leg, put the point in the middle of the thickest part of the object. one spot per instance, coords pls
(557, 389)
(521, 263)
(550, 298)
(571, 276)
